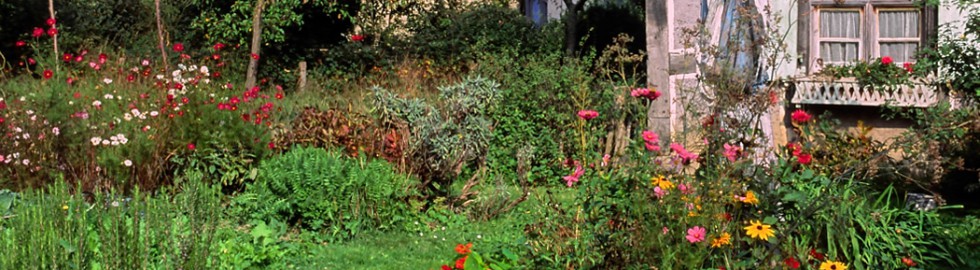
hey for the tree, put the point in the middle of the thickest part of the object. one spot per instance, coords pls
(573, 7)
(253, 62)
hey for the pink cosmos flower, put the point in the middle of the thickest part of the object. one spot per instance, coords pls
(731, 152)
(665, 230)
(659, 192)
(588, 114)
(605, 159)
(686, 157)
(574, 177)
(696, 234)
(685, 189)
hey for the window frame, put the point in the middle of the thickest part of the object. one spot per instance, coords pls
(818, 39)
(877, 31)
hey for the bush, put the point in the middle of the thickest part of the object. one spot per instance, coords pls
(456, 36)
(326, 191)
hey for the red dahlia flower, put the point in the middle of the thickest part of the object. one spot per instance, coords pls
(50, 22)
(53, 31)
(887, 60)
(792, 263)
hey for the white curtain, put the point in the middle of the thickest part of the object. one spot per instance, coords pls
(840, 24)
(899, 24)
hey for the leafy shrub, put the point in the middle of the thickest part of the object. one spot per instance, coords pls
(454, 36)
(260, 248)
(326, 191)
(443, 140)
(533, 109)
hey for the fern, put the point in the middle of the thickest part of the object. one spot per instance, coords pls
(326, 191)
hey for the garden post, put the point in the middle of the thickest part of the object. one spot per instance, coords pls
(658, 64)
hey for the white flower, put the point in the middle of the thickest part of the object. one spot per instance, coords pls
(107, 81)
(105, 142)
(135, 112)
(18, 130)
(22, 98)
(192, 68)
(127, 116)
(181, 66)
(26, 162)
(108, 96)
(96, 140)
(27, 135)
(30, 112)
(154, 113)
(33, 117)
(159, 76)
(204, 69)
(145, 62)
(114, 143)
(96, 103)
(113, 138)
(56, 131)
(135, 69)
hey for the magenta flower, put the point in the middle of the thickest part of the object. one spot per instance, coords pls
(731, 152)
(696, 234)
(645, 93)
(686, 157)
(588, 114)
(573, 178)
(659, 192)
(651, 140)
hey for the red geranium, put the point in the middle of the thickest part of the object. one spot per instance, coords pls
(255, 56)
(461, 262)
(190, 146)
(464, 249)
(804, 158)
(219, 46)
(66, 57)
(887, 60)
(800, 116)
(908, 67)
(357, 38)
(48, 74)
(20, 43)
(178, 47)
(53, 31)
(446, 267)
(816, 255)
(50, 22)
(792, 263)
(908, 262)
(38, 32)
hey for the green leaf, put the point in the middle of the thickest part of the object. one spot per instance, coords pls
(795, 196)
(770, 220)
(509, 255)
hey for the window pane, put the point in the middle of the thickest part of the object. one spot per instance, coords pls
(898, 24)
(839, 51)
(842, 24)
(899, 51)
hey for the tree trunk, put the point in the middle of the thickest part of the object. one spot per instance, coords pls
(253, 63)
(658, 64)
(54, 38)
(163, 47)
(572, 8)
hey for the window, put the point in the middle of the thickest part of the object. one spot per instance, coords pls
(898, 34)
(840, 36)
(864, 30)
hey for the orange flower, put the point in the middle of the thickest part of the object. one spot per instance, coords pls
(464, 249)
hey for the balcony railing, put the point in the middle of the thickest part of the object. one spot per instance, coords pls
(847, 91)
